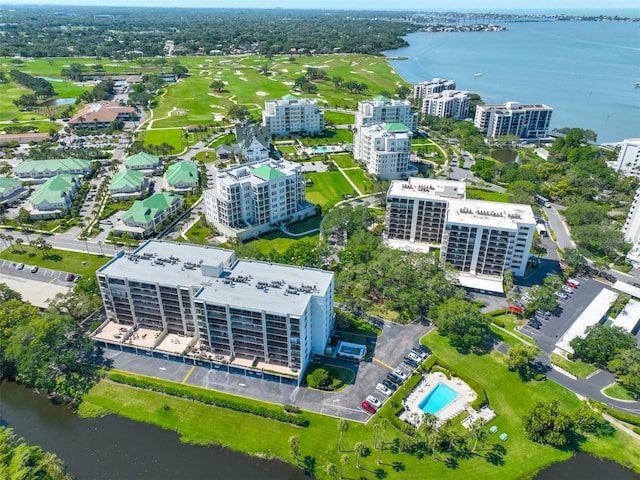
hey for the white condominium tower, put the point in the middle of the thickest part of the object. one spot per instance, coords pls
(251, 198)
(201, 305)
(381, 109)
(291, 115)
(512, 118)
(437, 85)
(628, 161)
(384, 149)
(449, 103)
(474, 236)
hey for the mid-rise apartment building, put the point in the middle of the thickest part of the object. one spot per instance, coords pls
(208, 308)
(381, 109)
(628, 161)
(474, 236)
(631, 229)
(252, 198)
(384, 149)
(512, 118)
(292, 115)
(430, 87)
(449, 103)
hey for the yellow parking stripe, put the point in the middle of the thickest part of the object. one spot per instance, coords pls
(382, 363)
(186, 377)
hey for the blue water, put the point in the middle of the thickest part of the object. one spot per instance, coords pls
(62, 101)
(586, 71)
(322, 150)
(49, 79)
(438, 398)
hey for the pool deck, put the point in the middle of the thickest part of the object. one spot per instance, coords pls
(412, 413)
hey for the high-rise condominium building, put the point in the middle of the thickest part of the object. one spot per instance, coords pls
(381, 109)
(449, 103)
(291, 115)
(203, 306)
(474, 236)
(252, 198)
(384, 149)
(628, 161)
(512, 118)
(437, 85)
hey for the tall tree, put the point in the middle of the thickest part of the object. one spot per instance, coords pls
(343, 426)
(547, 423)
(601, 344)
(462, 323)
(344, 461)
(520, 359)
(294, 447)
(360, 449)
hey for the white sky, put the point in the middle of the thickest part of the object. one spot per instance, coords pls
(470, 5)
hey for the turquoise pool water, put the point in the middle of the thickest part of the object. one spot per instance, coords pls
(322, 149)
(438, 398)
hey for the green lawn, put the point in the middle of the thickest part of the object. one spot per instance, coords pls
(305, 225)
(491, 196)
(339, 118)
(618, 391)
(329, 137)
(279, 242)
(577, 367)
(344, 161)
(511, 322)
(174, 137)
(328, 188)
(290, 149)
(198, 234)
(360, 180)
(63, 260)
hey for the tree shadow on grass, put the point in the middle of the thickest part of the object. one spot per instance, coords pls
(380, 473)
(495, 456)
(452, 463)
(398, 466)
(309, 465)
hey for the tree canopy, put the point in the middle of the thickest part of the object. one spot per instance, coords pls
(601, 344)
(547, 423)
(463, 323)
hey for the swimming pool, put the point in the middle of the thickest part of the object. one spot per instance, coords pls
(437, 399)
(322, 149)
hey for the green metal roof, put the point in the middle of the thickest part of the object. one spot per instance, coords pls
(143, 211)
(141, 159)
(182, 172)
(290, 98)
(7, 183)
(53, 165)
(54, 190)
(126, 178)
(395, 127)
(382, 98)
(266, 172)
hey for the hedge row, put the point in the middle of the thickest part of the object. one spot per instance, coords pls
(211, 399)
(497, 313)
(624, 416)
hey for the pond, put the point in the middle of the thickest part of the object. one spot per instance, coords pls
(506, 155)
(114, 447)
(586, 467)
(61, 101)
(49, 79)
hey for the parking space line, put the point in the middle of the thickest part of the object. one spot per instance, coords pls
(186, 377)
(382, 363)
(52, 280)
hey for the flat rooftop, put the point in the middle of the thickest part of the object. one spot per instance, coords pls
(427, 188)
(491, 214)
(629, 317)
(482, 282)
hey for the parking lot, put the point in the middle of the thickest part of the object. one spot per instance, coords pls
(391, 347)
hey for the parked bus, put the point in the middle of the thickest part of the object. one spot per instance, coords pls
(542, 231)
(540, 200)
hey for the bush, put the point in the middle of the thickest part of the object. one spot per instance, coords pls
(539, 377)
(497, 313)
(292, 409)
(210, 398)
(498, 322)
(623, 416)
(429, 363)
(637, 430)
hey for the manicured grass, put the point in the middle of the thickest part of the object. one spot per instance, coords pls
(305, 225)
(618, 391)
(279, 242)
(198, 234)
(287, 149)
(329, 137)
(480, 194)
(577, 367)
(228, 139)
(511, 322)
(174, 137)
(328, 188)
(206, 157)
(360, 180)
(344, 161)
(341, 377)
(339, 118)
(63, 260)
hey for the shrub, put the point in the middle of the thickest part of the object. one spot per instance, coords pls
(637, 430)
(498, 322)
(211, 398)
(623, 416)
(497, 313)
(292, 409)
(429, 363)
(539, 377)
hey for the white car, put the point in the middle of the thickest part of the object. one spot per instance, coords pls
(415, 357)
(384, 390)
(401, 373)
(374, 401)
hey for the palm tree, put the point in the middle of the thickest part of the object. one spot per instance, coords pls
(19, 243)
(294, 447)
(360, 449)
(343, 426)
(376, 427)
(331, 469)
(385, 423)
(3, 237)
(344, 461)
(9, 239)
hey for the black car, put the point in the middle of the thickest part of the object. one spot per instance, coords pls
(425, 349)
(411, 362)
(394, 378)
(390, 385)
(420, 353)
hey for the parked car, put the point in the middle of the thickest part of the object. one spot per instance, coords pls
(34, 269)
(415, 356)
(401, 373)
(20, 266)
(420, 353)
(515, 308)
(567, 289)
(383, 389)
(390, 385)
(368, 407)
(562, 295)
(394, 379)
(70, 277)
(424, 349)
(411, 362)
(572, 282)
(374, 401)
(543, 313)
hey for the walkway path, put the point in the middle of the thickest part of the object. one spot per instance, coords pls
(341, 170)
(303, 234)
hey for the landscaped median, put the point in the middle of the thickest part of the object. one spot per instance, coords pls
(575, 367)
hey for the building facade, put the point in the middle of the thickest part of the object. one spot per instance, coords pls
(11, 189)
(512, 118)
(54, 197)
(449, 103)
(254, 142)
(144, 162)
(241, 314)
(631, 230)
(102, 115)
(431, 87)
(381, 109)
(38, 171)
(291, 115)
(474, 236)
(127, 184)
(628, 161)
(252, 198)
(182, 176)
(146, 216)
(384, 149)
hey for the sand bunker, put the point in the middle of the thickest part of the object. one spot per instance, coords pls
(261, 93)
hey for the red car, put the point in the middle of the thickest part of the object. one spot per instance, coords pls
(69, 277)
(515, 308)
(368, 407)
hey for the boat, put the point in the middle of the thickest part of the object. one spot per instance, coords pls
(477, 74)
(637, 84)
